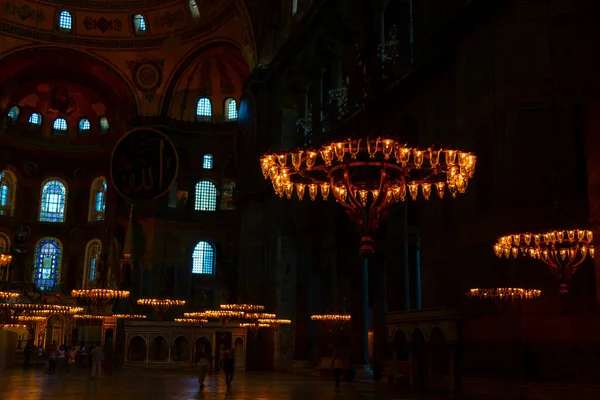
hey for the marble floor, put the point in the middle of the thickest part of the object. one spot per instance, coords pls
(126, 384)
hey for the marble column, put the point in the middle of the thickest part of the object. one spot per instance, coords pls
(418, 272)
(380, 341)
(316, 101)
(405, 257)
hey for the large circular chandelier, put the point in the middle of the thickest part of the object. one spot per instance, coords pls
(368, 177)
(100, 296)
(504, 293)
(242, 307)
(562, 250)
(4, 295)
(161, 306)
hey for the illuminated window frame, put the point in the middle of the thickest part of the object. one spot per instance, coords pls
(53, 201)
(231, 112)
(65, 21)
(139, 24)
(97, 207)
(47, 261)
(8, 190)
(203, 259)
(13, 113)
(204, 108)
(194, 10)
(208, 161)
(206, 196)
(85, 127)
(93, 251)
(35, 119)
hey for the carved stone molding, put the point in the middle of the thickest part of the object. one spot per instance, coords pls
(169, 19)
(147, 75)
(24, 12)
(102, 24)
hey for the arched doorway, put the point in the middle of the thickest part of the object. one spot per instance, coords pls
(239, 354)
(418, 369)
(202, 341)
(180, 351)
(136, 350)
(440, 359)
(159, 349)
(401, 354)
(55, 330)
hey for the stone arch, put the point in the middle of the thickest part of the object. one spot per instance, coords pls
(55, 329)
(439, 351)
(239, 354)
(202, 340)
(187, 61)
(418, 359)
(159, 349)
(249, 50)
(400, 345)
(137, 349)
(180, 350)
(25, 61)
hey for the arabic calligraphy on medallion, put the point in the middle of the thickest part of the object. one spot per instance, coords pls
(144, 165)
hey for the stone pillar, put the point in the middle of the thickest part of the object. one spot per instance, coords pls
(411, 366)
(592, 129)
(405, 258)
(363, 368)
(452, 366)
(380, 341)
(418, 272)
(316, 101)
(335, 79)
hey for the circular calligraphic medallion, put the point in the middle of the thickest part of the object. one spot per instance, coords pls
(147, 76)
(144, 164)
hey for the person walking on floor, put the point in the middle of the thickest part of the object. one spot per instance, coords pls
(62, 357)
(52, 357)
(202, 361)
(71, 356)
(97, 356)
(27, 354)
(228, 365)
(40, 356)
(338, 364)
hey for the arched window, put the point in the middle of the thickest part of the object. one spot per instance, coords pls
(84, 126)
(139, 24)
(8, 188)
(203, 259)
(53, 204)
(14, 113)
(194, 10)
(204, 108)
(60, 126)
(207, 161)
(35, 119)
(93, 250)
(65, 21)
(4, 244)
(48, 256)
(231, 109)
(97, 199)
(294, 7)
(206, 196)
(104, 125)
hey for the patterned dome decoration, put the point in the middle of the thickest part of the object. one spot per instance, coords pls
(147, 75)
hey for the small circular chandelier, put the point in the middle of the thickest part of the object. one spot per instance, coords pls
(242, 307)
(161, 306)
(100, 296)
(30, 319)
(89, 317)
(367, 178)
(563, 251)
(274, 322)
(504, 293)
(5, 260)
(253, 326)
(194, 321)
(9, 295)
(131, 317)
(223, 315)
(331, 320)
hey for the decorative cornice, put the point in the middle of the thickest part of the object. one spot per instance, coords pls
(108, 5)
(117, 43)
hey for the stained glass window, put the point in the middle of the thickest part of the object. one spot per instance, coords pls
(207, 161)
(65, 21)
(139, 23)
(48, 255)
(98, 199)
(53, 203)
(35, 119)
(231, 109)
(14, 113)
(7, 192)
(85, 126)
(204, 108)
(203, 259)
(206, 196)
(92, 255)
(194, 9)
(104, 125)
